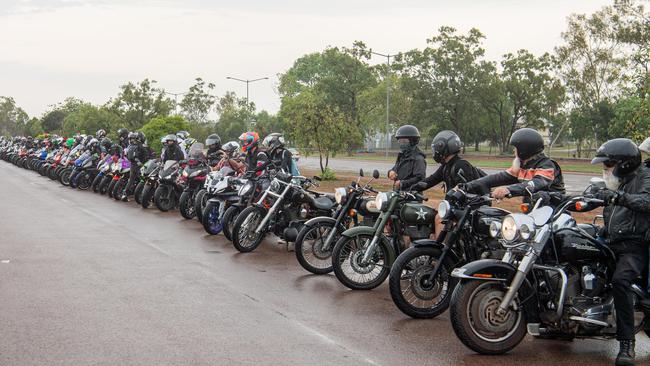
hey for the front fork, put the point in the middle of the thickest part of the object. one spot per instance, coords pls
(273, 208)
(370, 250)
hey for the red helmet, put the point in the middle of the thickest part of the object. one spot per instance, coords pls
(249, 140)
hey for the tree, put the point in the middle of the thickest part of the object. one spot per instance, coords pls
(88, 119)
(338, 77)
(159, 127)
(12, 118)
(314, 123)
(235, 116)
(136, 104)
(630, 119)
(444, 80)
(198, 102)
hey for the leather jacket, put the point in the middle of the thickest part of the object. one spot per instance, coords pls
(629, 218)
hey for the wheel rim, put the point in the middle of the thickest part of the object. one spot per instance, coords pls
(351, 256)
(213, 219)
(312, 247)
(483, 317)
(415, 286)
(247, 236)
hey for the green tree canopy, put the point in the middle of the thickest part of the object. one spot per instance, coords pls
(159, 127)
(136, 104)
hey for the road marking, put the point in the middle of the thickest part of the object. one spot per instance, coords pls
(5, 261)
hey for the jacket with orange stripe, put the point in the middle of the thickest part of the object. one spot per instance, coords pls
(538, 174)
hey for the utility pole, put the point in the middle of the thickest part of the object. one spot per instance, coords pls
(247, 81)
(388, 56)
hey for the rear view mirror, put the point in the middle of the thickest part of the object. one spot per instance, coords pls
(375, 174)
(361, 172)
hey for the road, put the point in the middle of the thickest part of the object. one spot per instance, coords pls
(85, 280)
(574, 182)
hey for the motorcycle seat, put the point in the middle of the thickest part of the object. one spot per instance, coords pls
(323, 203)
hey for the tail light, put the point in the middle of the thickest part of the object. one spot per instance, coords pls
(116, 177)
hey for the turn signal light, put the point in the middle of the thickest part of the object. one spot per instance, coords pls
(352, 212)
(581, 206)
(482, 275)
(524, 207)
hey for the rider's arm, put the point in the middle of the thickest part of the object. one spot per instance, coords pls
(434, 178)
(492, 180)
(536, 179)
(418, 173)
(640, 201)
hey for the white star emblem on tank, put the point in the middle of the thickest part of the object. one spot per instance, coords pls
(421, 214)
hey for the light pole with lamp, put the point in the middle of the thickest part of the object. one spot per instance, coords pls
(388, 56)
(175, 99)
(247, 81)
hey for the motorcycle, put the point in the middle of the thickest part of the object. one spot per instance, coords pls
(317, 238)
(248, 193)
(221, 191)
(554, 281)
(363, 256)
(150, 186)
(282, 210)
(193, 177)
(103, 166)
(84, 172)
(149, 167)
(166, 194)
(420, 280)
(120, 178)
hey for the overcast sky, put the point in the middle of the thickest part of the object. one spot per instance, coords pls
(52, 49)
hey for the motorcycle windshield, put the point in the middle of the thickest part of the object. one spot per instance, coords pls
(196, 151)
(169, 168)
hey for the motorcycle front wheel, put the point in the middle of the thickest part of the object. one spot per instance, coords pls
(409, 284)
(137, 194)
(163, 197)
(83, 181)
(96, 183)
(111, 188)
(477, 322)
(186, 205)
(228, 220)
(309, 247)
(200, 200)
(244, 237)
(211, 222)
(347, 262)
(147, 195)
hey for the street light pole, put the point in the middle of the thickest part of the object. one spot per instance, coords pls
(247, 81)
(388, 56)
(175, 99)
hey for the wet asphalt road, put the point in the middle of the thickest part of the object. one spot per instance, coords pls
(85, 280)
(574, 182)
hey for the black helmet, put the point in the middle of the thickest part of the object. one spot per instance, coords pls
(105, 144)
(408, 132)
(141, 137)
(133, 137)
(528, 142)
(622, 154)
(213, 142)
(123, 133)
(273, 141)
(92, 144)
(444, 144)
(101, 133)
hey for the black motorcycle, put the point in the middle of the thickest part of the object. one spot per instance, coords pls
(194, 176)
(554, 281)
(317, 238)
(282, 210)
(149, 167)
(169, 189)
(250, 192)
(420, 280)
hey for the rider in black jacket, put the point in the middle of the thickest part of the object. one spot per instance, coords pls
(137, 155)
(453, 169)
(274, 146)
(531, 171)
(627, 222)
(411, 165)
(171, 150)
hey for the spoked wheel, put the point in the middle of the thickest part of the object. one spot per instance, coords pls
(244, 237)
(228, 220)
(477, 321)
(349, 268)
(412, 291)
(310, 250)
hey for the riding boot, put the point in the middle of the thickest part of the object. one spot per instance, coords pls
(625, 354)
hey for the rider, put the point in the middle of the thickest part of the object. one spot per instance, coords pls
(123, 137)
(411, 165)
(100, 134)
(453, 169)
(182, 137)
(627, 222)
(274, 146)
(137, 155)
(214, 154)
(645, 148)
(171, 150)
(531, 170)
(250, 145)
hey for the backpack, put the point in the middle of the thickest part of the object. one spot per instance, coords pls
(477, 172)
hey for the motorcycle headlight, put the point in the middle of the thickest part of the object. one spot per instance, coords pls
(444, 210)
(526, 231)
(509, 228)
(275, 186)
(340, 195)
(495, 229)
(245, 189)
(381, 200)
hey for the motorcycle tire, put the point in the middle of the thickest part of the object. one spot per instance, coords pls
(244, 239)
(409, 276)
(345, 261)
(137, 193)
(228, 220)
(200, 200)
(147, 195)
(118, 190)
(186, 205)
(103, 186)
(163, 197)
(83, 181)
(96, 183)
(64, 178)
(111, 188)
(309, 255)
(471, 297)
(211, 223)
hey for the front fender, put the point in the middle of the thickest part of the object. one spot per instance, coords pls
(486, 270)
(366, 230)
(321, 219)
(424, 243)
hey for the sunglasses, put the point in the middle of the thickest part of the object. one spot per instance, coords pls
(609, 163)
